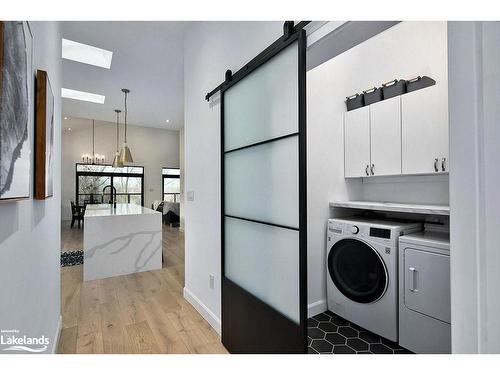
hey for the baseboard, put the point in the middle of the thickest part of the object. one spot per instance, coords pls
(204, 311)
(57, 335)
(316, 308)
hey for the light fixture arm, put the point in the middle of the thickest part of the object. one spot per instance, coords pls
(117, 129)
(93, 141)
(117, 163)
(125, 91)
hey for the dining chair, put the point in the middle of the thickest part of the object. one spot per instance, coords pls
(77, 213)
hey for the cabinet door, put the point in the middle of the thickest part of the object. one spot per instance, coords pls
(427, 283)
(357, 142)
(385, 135)
(425, 130)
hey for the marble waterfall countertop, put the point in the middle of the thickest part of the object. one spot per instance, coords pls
(120, 241)
(121, 209)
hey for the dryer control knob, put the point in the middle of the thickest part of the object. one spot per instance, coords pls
(354, 229)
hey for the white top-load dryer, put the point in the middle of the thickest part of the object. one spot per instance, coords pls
(362, 271)
(424, 292)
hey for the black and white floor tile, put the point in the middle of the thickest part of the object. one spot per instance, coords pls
(328, 333)
(71, 258)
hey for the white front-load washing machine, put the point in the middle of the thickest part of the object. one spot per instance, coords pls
(362, 271)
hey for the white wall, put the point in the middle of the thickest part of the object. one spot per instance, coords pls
(30, 230)
(152, 148)
(405, 50)
(210, 49)
(474, 58)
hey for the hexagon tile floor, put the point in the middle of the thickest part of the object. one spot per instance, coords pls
(328, 333)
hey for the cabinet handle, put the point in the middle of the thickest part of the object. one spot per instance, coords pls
(436, 165)
(390, 83)
(369, 90)
(414, 79)
(413, 279)
(366, 170)
(372, 169)
(443, 164)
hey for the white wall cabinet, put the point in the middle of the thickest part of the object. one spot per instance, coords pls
(357, 142)
(385, 137)
(373, 139)
(425, 131)
(407, 134)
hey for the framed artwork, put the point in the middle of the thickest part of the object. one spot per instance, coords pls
(44, 137)
(16, 108)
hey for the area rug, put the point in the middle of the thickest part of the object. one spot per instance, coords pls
(71, 258)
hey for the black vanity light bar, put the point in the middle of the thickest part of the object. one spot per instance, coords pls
(289, 29)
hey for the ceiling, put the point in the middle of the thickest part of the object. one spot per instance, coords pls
(147, 59)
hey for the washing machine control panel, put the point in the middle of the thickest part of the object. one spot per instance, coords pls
(335, 228)
(364, 231)
(346, 228)
(380, 232)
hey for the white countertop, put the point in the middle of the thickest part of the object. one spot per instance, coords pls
(122, 209)
(395, 207)
(100, 206)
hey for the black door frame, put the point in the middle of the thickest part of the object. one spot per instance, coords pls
(292, 338)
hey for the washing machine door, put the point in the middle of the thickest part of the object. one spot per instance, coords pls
(357, 270)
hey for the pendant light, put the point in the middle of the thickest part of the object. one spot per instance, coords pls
(117, 163)
(125, 154)
(93, 158)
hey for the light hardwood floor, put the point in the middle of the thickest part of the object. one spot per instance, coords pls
(71, 238)
(139, 313)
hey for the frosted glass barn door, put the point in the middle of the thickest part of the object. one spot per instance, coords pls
(264, 204)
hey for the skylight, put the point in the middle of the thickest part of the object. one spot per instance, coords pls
(86, 54)
(82, 95)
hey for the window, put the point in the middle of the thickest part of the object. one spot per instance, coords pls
(171, 185)
(91, 180)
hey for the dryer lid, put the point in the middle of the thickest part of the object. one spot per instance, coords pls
(438, 240)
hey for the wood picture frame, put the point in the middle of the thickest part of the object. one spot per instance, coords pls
(44, 137)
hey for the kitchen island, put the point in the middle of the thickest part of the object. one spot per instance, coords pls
(120, 240)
